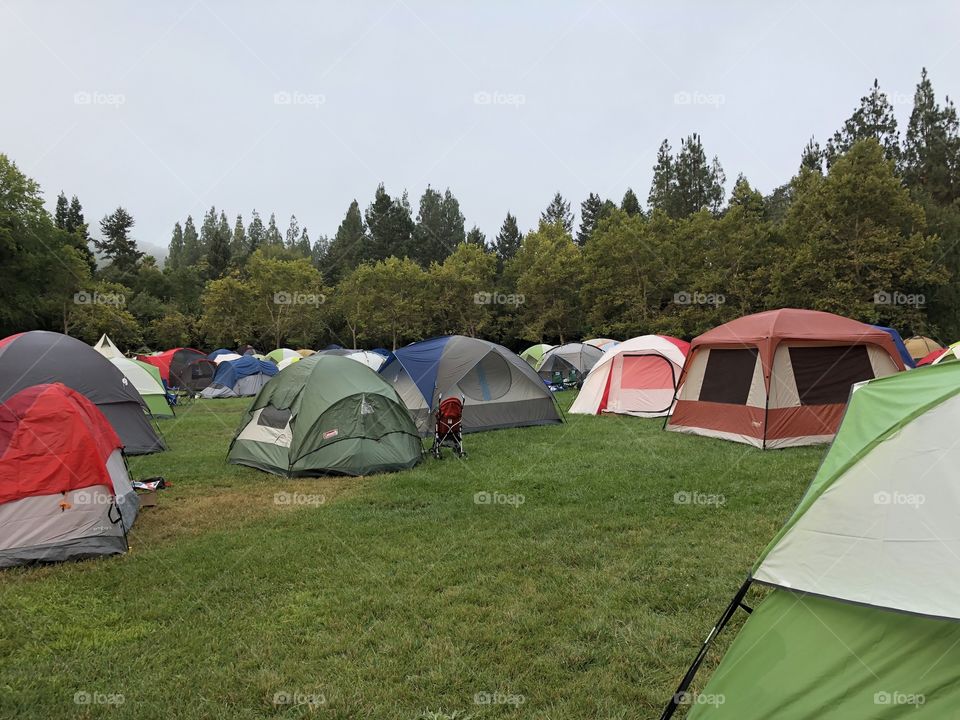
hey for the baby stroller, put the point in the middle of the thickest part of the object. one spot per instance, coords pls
(449, 417)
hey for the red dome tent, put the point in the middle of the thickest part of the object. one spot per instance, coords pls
(183, 368)
(778, 378)
(64, 489)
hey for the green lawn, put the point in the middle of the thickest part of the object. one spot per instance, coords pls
(400, 596)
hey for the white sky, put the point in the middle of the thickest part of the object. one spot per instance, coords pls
(167, 108)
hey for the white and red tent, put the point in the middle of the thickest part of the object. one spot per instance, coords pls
(636, 377)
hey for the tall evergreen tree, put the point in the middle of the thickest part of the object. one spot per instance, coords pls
(175, 252)
(273, 237)
(116, 244)
(191, 244)
(390, 225)
(812, 157)
(303, 246)
(591, 210)
(218, 249)
(61, 216)
(75, 221)
(348, 247)
(208, 229)
(293, 233)
(239, 248)
(476, 237)
(439, 227)
(630, 204)
(508, 240)
(663, 188)
(256, 233)
(699, 185)
(931, 149)
(558, 213)
(874, 118)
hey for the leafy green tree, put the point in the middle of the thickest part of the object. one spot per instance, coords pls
(103, 311)
(117, 245)
(174, 329)
(399, 290)
(229, 311)
(508, 240)
(549, 270)
(630, 204)
(874, 118)
(464, 292)
(558, 212)
(353, 305)
(857, 244)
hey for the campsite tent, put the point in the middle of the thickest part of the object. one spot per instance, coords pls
(282, 354)
(242, 377)
(305, 352)
(908, 360)
(572, 361)
(919, 346)
(534, 354)
(286, 363)
(941, 355)
(326, 414)
(599, 342)
(371, 359)
(145, 378)
(39, 357)
(183, 368)
(222, 355)
(637, 377)
(499, 389)
(778, 378)
(64, 490)
(864, 617)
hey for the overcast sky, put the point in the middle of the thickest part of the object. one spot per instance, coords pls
(169, 107)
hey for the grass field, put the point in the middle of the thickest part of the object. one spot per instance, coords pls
(582, 589)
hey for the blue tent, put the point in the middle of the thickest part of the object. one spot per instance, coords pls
(901, 348)
(239, 378)
(218, 352)
(381, 351)
(498, 388)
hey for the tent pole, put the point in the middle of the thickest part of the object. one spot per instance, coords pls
(695, 665)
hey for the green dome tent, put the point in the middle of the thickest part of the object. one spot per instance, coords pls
(863, 620)
(534, 354)
(326, 415)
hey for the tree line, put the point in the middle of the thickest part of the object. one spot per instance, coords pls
(867, 228)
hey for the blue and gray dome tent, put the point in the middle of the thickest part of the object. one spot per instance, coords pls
(499, 389)
(240, 378)
(901, 347)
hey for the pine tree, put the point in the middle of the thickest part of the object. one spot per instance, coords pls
(746, 197)
(812, 157)
(508, 240)
(208, 230)
(630, 204)
(349, 245)
(192, 251)
(218, 249)
(439, 227)
(273, 238)
(256, 234)
(558, 213)
(75, 221)
(591, 210)
(239, 249)
(931, 150)
(175, 253)
(390, 225)
(61, 216)
(476, 237)
(664, 185)
(293, 233)
(303, 246)
(874, 118)
(116, 244)
(699, 185)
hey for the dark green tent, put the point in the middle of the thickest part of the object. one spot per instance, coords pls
(326, 415)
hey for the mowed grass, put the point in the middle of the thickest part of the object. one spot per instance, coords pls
(582, 590)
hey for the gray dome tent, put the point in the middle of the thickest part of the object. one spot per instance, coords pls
(38, 357)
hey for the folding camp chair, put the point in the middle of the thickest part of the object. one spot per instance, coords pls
(449, 426)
